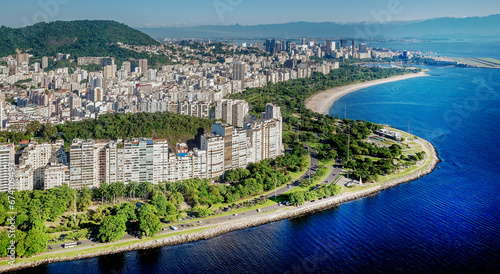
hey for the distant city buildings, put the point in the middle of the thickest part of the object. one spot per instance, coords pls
(92, 162)
(233, 112)
(100, 61)
(196, 84)
(143, 65)
(189, 87)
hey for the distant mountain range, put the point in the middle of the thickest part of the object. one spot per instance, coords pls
(470, 27)
(78, 38)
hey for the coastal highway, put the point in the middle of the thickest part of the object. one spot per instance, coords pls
(313, 167)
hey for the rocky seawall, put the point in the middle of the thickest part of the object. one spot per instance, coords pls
(211, 232)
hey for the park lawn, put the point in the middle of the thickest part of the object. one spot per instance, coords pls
(327, 162)
(217, 206)
(354, 188)
(322, 178)
(374, 159)
(408, 171)
(67, 241)
(296, 175)
(313, 144)
(101, 247)
(241, 210)
(293, 175)
(297, 189)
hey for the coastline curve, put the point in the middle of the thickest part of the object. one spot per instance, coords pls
(211, 232)
(317, 103)
(323, 101)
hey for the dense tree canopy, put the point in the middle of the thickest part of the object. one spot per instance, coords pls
(112, 229)
(79, 39)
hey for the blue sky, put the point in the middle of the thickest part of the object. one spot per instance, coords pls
(16, 13)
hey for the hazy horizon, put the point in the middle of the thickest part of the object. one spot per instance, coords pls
(157, 13)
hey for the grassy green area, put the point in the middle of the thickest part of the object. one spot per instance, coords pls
(297, 189)
(101, 247)
(313, 144)
(327, 162)
(298, 174)
(293, 175)
(340, 175)
(353, 189)
(322, 178)
(237, 211)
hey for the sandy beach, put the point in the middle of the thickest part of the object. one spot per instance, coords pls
(323, 101)
(320, 103)
(210, 231)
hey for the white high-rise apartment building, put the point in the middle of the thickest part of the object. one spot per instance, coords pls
(199, 163)
(2, 109)
(274, 112)
(236, 144)
(143, 64)
(114, 162)
(6, 163)
(232, 112)
(24, 177)
(55, 175)
(214, 146)
(160, 161)
(135, 161)
(82, 165)
(110, 71)
(37, 156)
(151, 74)
(126, 66)
(240, 111)
(239, 70)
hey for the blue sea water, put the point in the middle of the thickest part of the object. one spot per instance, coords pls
(447, 221)
(448, 48)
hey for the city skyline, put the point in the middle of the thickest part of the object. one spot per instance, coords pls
(225, 12)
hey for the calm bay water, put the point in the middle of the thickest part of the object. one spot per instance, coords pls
(471, 48)
(448, 221)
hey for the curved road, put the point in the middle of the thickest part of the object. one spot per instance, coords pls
(313, 168)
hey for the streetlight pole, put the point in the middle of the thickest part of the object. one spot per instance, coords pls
(275, 179)
(309, 175)
(348, 142)
(74, 207)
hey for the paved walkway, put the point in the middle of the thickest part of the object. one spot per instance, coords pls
(313, 168)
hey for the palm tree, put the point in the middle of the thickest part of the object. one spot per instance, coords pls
(131, 189)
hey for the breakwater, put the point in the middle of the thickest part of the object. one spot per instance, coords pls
(214, 231)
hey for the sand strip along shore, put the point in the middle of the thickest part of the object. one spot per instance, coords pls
(323, 101)
(210, 232)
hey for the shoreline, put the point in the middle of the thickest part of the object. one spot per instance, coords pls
(322, 102)
(208, 231)
(214, 231)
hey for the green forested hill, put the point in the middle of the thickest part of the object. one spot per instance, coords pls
(78, 38)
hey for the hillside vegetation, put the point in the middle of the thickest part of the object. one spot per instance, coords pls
(78, 38)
